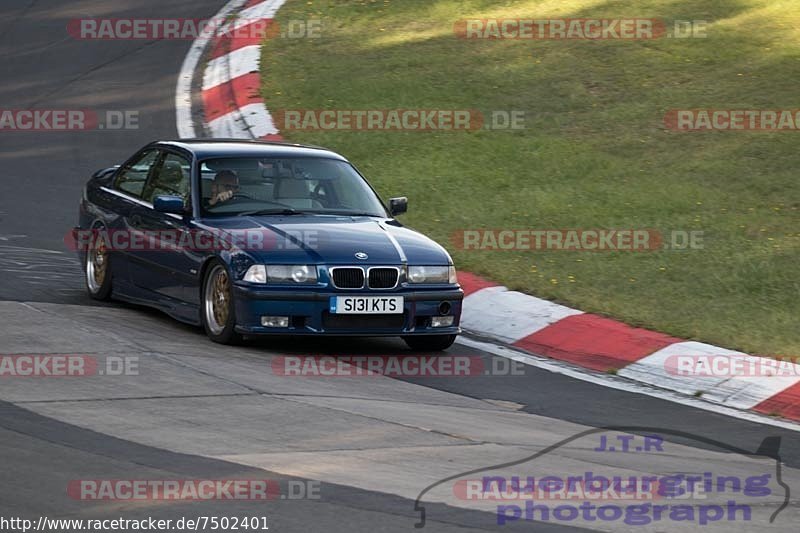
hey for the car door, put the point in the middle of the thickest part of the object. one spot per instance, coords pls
(124, 197)
(167, 258)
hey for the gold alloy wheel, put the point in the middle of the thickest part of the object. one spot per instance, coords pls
(217, 302)
(96, 265)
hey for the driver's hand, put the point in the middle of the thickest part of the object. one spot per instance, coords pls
(223, 196)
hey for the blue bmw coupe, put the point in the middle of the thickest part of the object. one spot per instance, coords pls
(252, 238)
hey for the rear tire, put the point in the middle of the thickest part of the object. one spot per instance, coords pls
(218, 312)
(430, 343)
(97, 268)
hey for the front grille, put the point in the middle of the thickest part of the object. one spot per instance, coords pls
(382, 278)
(348, 278)
(362, 322)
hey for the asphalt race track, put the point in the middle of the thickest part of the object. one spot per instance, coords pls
(194, 410)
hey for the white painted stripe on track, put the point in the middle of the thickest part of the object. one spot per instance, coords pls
(183, 90)
(232, 65)
(250, 121)
(744, 392)
(617, 383)
(263, 10)
(653, 368)
(509, 315)
(741, 392)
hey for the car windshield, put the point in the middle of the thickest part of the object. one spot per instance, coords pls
(285, 186)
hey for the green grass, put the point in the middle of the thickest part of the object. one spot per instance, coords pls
(594, 153)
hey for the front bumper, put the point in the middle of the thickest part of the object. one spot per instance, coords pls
(308, 313)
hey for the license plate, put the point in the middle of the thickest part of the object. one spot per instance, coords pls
(366, 305)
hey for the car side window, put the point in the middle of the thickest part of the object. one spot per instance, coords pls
(133, 176)
(170, 178)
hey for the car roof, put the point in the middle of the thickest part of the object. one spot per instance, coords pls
(206, 148)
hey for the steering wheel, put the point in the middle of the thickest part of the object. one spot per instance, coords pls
(241, 195)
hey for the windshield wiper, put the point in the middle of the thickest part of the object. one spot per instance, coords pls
(261, 212)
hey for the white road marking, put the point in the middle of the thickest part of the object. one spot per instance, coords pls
(37, 265)
(250, 121)
(263, 10)
(241, 123)
(734, 391)
(510, 315)
(183, 91)
(613, 382)
(230, 66)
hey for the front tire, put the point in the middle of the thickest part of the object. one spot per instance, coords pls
(97, 268)
(430, 343)
(218, 312)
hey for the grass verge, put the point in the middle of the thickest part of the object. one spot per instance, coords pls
(595, 152)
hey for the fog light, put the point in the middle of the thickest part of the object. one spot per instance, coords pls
(275, 321)
(441, 321)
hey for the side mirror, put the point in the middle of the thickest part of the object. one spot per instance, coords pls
(398, 206)
(103, 172)
(169, 204)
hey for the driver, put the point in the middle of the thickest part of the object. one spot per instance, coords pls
(224, 186)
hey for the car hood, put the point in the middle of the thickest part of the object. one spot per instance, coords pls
(329, 240)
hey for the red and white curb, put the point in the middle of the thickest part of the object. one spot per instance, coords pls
(230, 85)
(598, 343)
(234, 108)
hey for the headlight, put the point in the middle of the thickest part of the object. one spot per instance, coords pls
(256, 274)
(281, 274)
(432, 274)
(291, 273)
